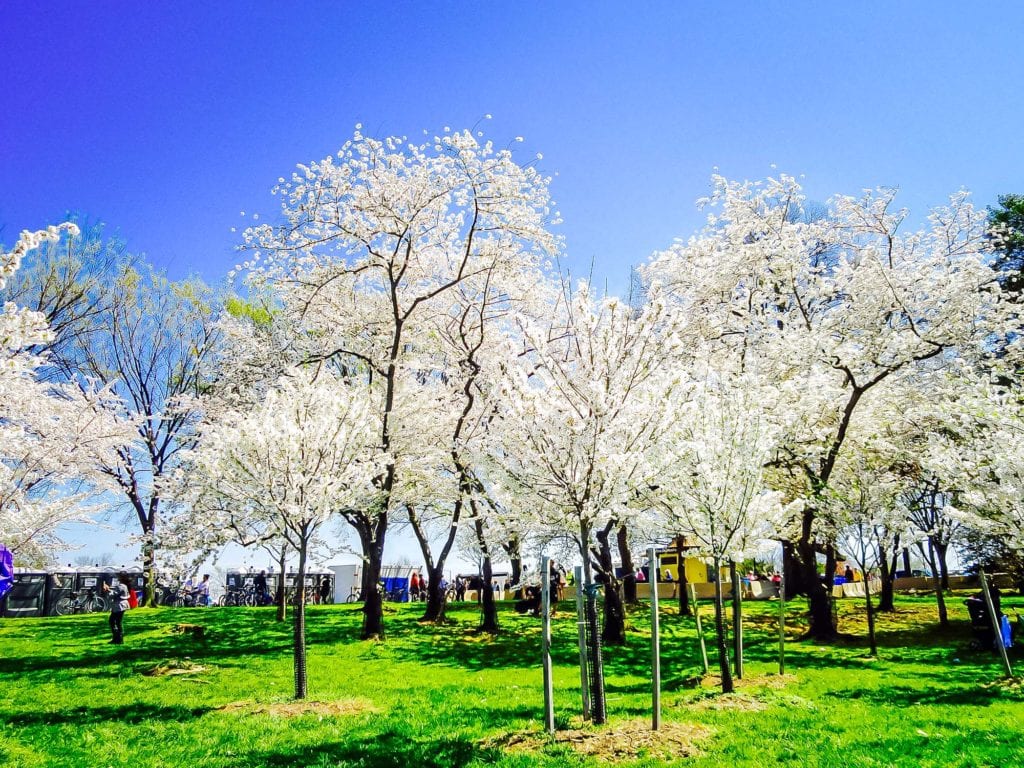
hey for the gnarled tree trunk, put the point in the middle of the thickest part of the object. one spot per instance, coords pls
(614, 630)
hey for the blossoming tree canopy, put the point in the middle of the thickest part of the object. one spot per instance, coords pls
(378, 242)
(309, 449)
(831, 306)
(51, 436)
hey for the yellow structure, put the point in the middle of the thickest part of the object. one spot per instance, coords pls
(695, 568)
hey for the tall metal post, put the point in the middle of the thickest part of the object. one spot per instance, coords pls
(782, 624)
(545, 601)
(655, 645)
(737, 618)
(700, 628)
(995, 623)
(581, 627)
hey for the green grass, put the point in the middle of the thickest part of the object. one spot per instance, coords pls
(446, 696)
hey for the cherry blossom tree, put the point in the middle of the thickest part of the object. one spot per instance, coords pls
(286, 466)
(834, 307)
(377, 245)
(50, 434)
(712, 486)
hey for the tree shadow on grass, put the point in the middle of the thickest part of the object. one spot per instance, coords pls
(905, 696)
(389, 749)
(132, 714)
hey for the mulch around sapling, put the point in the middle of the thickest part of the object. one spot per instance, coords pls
(616, 741)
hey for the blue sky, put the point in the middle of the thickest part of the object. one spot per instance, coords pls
(165, 120)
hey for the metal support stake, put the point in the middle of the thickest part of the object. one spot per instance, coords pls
(581, 627)
(655, 645)
(995, 623)
(700, 628)
(782, 624)
(545, 593)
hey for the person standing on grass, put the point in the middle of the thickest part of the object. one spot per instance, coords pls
(260, 585)
(118, 605)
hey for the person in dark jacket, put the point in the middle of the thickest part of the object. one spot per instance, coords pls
(118, 596)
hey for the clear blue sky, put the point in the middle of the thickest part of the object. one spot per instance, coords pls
(166, 120)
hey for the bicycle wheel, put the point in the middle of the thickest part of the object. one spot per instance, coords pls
(64, 607)
(96, 605)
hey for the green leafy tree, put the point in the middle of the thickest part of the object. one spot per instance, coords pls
(1006, 230)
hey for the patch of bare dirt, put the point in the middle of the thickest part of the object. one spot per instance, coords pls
(615, 742)
(185, 667)
(751, 694)
(299, 708)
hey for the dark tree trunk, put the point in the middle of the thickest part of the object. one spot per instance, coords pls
(886, 595)
(299, 656)
(489, 609)
(435, 595)
(149, 596)
(628, 568)
(614, 630)
(792, 572)
(373, 600)
(488, 606)
(906, 563)
(941, 555)
(723, 652)
(512, 549)
(819, 597)
(940, 597)
(682, 585)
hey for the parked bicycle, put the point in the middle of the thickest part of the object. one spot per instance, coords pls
(86, 601)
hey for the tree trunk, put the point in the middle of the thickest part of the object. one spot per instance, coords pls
(819, 597)
(149, 596)
(435, 595)
(723, 653)
(886, 597)
(941, 554)
(512, 549)
(614, 630)
(940, 597)
(628, 568)
(373, 600)
(300, 621)
(489, 609)
(906, 563)
(794, 572)
(681, 583)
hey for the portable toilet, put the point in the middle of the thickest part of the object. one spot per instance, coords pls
(27, 596)
(62, 584)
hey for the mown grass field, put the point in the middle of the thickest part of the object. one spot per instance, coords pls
(446, 696)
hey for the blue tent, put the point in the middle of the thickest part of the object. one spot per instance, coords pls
(6, 571)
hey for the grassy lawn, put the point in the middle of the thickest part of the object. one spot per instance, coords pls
(445, 696)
